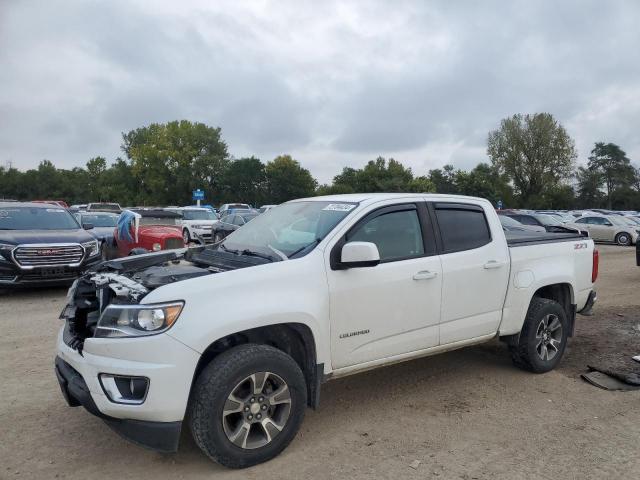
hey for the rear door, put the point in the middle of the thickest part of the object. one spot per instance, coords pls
(475, 270)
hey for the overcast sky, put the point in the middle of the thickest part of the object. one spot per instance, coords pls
(332, 83)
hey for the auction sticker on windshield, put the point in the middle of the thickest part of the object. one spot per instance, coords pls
(340, 207)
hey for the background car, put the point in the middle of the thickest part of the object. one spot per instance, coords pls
(611, 228)
(265, 208)
(103, 224)
(230, 223)
(510, 224)
(59, 203)
(225, 208)
(42, 244)
(548, 222)
(196, 223)
(104, 207)
(147, 230)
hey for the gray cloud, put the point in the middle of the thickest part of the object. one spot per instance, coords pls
(333, 83)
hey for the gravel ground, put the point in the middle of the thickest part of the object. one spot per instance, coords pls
(466, 414)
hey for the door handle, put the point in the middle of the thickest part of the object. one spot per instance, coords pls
(492, 264)
(425, 275)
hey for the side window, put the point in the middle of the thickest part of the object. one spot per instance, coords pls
(227, 218)
(582, 220)
(238, 220)
(462, 229)
(397, 235)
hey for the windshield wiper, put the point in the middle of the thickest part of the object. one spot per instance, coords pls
(249, 253)
(304, 247)
(253, 253)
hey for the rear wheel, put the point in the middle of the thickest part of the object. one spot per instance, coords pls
(543, 338)
(247, 405)
(623, 239)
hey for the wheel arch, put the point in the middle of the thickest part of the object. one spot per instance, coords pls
(294, 339)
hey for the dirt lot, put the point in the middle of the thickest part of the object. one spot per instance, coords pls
(466, 414)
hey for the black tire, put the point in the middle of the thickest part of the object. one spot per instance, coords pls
(623, 239)
(526, 354)
(219, 379)
(217, 238)
(186, 237)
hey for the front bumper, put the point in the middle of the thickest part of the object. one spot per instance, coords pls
(168, 364)
(159, 436)
(13, 276)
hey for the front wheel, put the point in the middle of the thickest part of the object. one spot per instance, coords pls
(543, 338)
(186, 237)
(623, 239)
(247, 405)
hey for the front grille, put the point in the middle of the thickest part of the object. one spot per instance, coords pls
(48, 255)
(171, 243)
(54, 275)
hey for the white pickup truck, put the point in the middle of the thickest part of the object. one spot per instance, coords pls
(235, 339)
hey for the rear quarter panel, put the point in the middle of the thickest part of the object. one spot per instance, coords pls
(540, 265)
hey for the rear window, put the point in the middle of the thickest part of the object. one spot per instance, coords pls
(462, 227)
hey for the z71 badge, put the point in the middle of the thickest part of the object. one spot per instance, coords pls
(579, 246)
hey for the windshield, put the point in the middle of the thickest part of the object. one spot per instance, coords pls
(509, 222)
(100, 220)
(548, 220)
(31, 218)
(289, 228)
(198, 215)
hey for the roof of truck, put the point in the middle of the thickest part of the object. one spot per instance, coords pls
(371, 197)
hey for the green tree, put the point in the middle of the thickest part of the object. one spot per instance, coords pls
(244, 179)
(484, 181)
(286, 179)
(170, 160)
(615, 169)
(535, 152)
(588, 188)
(444, 180)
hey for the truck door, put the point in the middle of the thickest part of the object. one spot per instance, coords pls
(475, 270)
(393, 307)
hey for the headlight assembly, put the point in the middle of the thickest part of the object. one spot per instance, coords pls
(119, 321)
(156, 247)
(91, 248)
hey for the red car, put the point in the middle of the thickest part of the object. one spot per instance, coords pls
(148, 230)
(60, 203)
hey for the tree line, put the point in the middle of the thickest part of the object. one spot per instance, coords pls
(531, 164)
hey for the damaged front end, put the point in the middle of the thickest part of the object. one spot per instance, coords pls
(128, 280)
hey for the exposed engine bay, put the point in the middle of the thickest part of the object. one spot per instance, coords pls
(128, 280)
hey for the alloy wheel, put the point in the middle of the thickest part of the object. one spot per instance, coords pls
(548, 337)
(256, 410)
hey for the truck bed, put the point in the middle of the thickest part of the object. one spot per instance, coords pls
(519, 239)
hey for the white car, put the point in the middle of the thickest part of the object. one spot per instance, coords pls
(338, 285)
(196, 223)
(265, 208)
(233, 206)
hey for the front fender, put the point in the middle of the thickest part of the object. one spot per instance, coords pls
(217, 305)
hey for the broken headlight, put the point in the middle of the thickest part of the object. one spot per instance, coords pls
(119, 321)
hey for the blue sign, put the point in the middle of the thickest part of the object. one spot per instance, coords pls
(499, 204)
(198, 194)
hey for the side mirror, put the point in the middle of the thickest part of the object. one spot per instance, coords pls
(608, 224)
(359, 254)
(87, 226)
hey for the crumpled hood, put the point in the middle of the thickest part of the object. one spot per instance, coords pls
(45, 236)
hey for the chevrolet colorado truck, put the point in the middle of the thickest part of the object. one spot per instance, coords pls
(338, 285)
